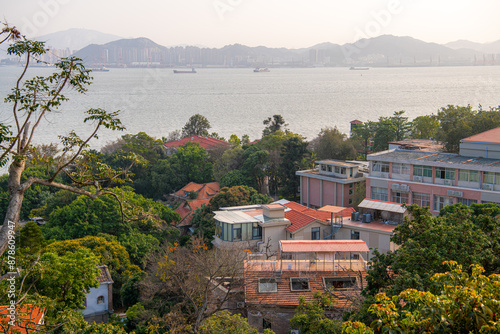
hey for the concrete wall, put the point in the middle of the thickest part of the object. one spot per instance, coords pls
(485, 150)
(92, 306)
(274, 234)
(373, 239)
(305, 233)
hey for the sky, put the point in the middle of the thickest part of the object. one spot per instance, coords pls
(272, 23)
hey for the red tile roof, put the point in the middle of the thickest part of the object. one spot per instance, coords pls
(297, 220)
(356, 122)
(205, 190)
(321, 246)
(205, 142)
(27, 318)
(285, 297)
(490, 136)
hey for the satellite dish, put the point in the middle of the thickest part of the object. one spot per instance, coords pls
(385, 215)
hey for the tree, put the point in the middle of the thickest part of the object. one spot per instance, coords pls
(462, 303)
(195, 274)
(424, 127)
(197, 125)
(310, 318)
(364, 134)
(226, 323)
(294, 156)
(426, 242)
(273, 124)
(237, 196)
(332, 144)
(31, 101)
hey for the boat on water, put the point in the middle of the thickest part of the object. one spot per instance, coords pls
(99, 69)
(184, 71)
(352, 68)
(261, 70)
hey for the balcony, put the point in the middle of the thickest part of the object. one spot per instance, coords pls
(306, 265)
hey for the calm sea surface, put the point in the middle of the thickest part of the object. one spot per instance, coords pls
(236, 101)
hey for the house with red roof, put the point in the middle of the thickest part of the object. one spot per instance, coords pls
(208, 143)
(192, 196)
(272, 287)
(260, 228)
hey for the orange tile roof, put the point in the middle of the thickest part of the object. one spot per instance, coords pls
(27, 318)
(297, 220)
(321, 246)
(206, 190)
(337, 210)
(296, 206)
(183, 210)
(205, 142)
(285, 297)
(490, 136)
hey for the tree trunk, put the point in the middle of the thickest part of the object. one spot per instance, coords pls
(16, 195)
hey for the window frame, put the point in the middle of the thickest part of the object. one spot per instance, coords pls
(316, 231)
(352, 279)
(302, 280)
(101, 300)
(275, 283)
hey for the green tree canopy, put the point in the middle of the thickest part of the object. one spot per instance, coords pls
(237, 196)
(197, 125)
(273, 124)
(332, 144)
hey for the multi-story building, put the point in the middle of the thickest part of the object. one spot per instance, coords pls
(435, 179)
(273, 287)
(332, 182)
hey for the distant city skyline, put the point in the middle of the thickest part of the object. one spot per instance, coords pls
(279, 23)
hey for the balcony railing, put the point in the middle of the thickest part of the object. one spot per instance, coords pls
(305, 265)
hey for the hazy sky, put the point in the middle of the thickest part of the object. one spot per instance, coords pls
(273, 23)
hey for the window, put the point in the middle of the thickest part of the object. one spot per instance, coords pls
(466, 201)
(350, 172)
(403, 169)
(379, 166)
(379, 194)
(339, 282)
(350, 200)
(351, 185)
(266, 324)
(354, 235)
(268, 285)
(351, 191)
(399, 197)
(422, 199)
(315, 233)
(473, 176)
(218, 229)
(445, 173)
(237, 234)
(299, 284)
(488, 177)
(441, 201)
(337, 170)
(468, 175)
(100, 300)
(342, 171)
(323, 168)
(330, 169)
(419, 170)
(256, 231)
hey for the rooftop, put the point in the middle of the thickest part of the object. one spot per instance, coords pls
(104, 275)
(338, 163)
(323, 246)
(429, 158)
(428, 145)
(490, 136)
(27, 318)
(381, 205)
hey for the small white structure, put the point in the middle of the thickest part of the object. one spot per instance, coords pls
(99, 303)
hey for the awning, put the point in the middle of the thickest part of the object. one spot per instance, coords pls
(323, 246)
(381, 205)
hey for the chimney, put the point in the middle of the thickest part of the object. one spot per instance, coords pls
(274, 211)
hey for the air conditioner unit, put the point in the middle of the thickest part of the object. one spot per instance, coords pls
(487, 186)
(404, 188)
(417, 178)
(448, 182)
(240, 305)
(455, 193)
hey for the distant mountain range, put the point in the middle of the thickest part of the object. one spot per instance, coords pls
(76, 39)
(98, 49)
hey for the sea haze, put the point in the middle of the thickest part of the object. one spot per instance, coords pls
(236, 101)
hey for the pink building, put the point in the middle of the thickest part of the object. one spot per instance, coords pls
(332, 182)
(436, 179)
